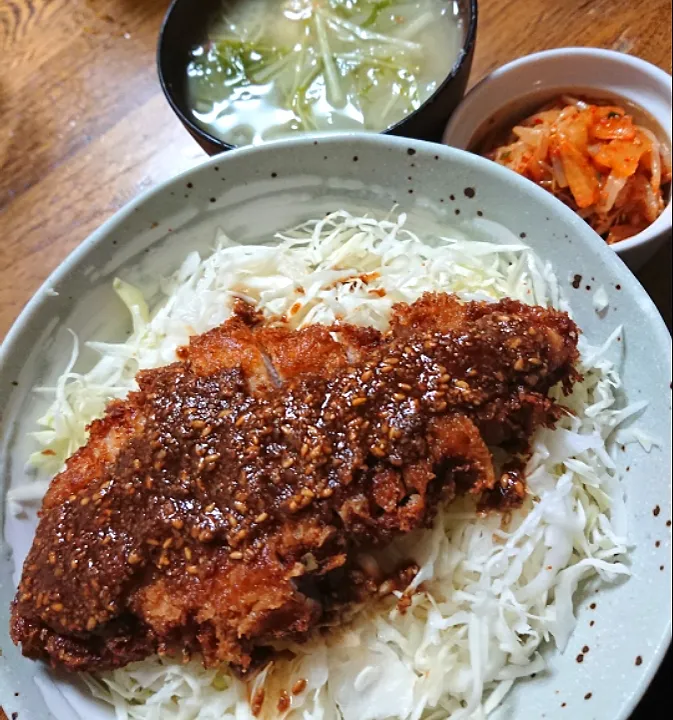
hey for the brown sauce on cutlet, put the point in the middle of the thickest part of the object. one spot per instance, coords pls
(219, 476)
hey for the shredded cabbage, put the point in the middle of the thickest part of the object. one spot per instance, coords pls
(600, 299)
(493, 591)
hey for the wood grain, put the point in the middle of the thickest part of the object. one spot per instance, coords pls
(84, 127)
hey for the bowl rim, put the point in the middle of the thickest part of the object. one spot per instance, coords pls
(471, 14)
(664, 222)
(103, 233)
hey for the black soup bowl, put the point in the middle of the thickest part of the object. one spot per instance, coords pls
(185, 26)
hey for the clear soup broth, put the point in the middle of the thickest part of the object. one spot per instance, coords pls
(271, 68)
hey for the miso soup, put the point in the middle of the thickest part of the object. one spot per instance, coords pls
(271, 68)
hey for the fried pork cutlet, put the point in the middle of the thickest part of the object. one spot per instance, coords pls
(220, 508)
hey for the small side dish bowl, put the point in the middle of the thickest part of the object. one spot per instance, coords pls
(185, 25)
(522, 86)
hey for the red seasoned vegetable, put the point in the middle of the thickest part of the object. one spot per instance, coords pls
(594, 158)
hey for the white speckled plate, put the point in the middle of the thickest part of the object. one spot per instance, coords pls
(253, 192)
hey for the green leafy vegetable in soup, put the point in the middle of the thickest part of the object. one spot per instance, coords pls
(274, 67)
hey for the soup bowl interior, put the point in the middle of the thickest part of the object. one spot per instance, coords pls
(251, 193)
(186, 26)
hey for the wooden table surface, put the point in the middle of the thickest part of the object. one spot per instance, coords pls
(84, 126)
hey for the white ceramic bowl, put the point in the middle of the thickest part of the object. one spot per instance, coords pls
(524, 84)
(253, 192)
